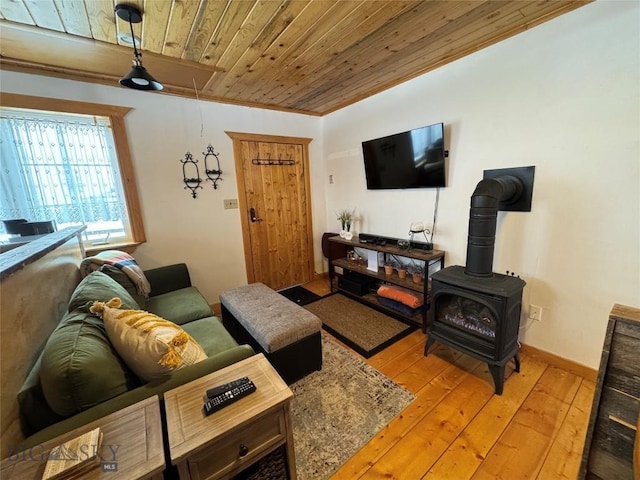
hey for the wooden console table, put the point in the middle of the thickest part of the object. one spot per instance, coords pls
(223, 444)
(339, 260)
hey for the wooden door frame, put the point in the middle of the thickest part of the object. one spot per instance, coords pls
(238, 138)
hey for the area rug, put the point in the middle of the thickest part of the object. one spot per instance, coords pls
(338, 409)
(299, 295)
(364, 329)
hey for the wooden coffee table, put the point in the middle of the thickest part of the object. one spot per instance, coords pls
(228, 441)
(131, 447)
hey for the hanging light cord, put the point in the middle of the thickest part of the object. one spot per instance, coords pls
(199, 106)
(136, 54)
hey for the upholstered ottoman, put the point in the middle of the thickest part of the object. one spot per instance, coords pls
(286, 333)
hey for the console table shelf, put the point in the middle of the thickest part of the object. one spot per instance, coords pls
(371, 299)
(380, 275)
(337, 258)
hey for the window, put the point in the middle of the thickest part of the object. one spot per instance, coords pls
(68, 163)
(63, 168)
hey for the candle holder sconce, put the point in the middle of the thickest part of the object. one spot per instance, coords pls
(213, 175)
(189, 165)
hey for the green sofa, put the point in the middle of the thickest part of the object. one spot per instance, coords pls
(79, 377)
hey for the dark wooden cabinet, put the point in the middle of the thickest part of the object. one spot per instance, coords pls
(333, 250)
(609, 446)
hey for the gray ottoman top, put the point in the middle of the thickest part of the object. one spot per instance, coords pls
(271, 319)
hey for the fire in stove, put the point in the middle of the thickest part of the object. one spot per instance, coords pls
(469, 315)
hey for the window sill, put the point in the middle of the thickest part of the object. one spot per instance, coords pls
(129, 248)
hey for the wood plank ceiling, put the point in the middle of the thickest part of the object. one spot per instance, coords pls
(307, 56)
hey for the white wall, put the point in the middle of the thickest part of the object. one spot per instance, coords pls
(564, 97)
(161, 130)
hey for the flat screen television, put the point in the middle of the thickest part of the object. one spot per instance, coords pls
(413, 159)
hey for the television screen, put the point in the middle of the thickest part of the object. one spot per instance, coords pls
(413, 159)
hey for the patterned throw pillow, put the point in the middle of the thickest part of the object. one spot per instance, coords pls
(151, 346)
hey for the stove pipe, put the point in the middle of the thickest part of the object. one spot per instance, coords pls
(483, 216)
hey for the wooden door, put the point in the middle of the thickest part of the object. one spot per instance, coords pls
(275, 208)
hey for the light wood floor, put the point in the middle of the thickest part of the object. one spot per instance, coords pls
(458, 429)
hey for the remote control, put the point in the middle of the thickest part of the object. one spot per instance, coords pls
(215, 391)
(227, 398)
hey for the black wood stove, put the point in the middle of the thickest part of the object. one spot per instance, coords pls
(479, 317)
(473, 309)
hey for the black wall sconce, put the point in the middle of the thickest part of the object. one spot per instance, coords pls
(191, 173)
(191, 182)
(212, 174)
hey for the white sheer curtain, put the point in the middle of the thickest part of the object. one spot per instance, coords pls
(61, 168)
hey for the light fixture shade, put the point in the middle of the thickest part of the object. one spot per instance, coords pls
(139, 79)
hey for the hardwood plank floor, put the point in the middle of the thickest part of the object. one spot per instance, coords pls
(458, 429)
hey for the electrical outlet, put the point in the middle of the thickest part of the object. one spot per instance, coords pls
(230, 203)
(535, 312)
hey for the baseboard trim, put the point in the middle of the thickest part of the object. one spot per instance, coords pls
(319, 276)
(554, 360)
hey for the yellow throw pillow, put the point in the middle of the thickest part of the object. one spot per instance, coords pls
(151, 346)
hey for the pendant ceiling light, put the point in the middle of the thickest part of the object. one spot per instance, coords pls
(138, 77)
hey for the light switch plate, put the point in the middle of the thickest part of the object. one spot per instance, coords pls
(230, 203)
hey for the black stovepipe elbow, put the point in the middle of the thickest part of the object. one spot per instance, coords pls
(483, 215)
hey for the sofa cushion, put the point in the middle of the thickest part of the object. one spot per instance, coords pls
(99, 286)
(35, 413)
(150, 345)
(80, 367)
(180, 306)
(179, 377)
(123, 280)
(211, 335)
